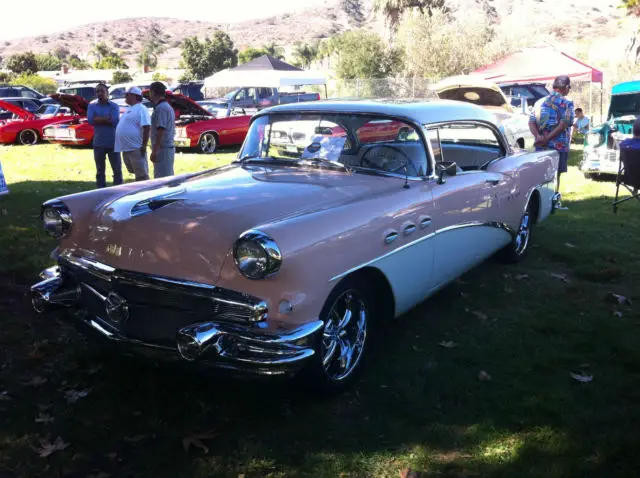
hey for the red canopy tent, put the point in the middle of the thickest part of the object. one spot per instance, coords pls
(539, 64)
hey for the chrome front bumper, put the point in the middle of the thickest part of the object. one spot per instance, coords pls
(103, 301)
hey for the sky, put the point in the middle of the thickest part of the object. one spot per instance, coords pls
(51, 20)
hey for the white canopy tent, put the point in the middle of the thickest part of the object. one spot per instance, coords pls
(263, 78)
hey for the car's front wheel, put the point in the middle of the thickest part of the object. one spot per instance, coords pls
(208, 143)
(348, 317)
(28, 137)
(517, 249)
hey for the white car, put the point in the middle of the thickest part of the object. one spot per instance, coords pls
(513, 123)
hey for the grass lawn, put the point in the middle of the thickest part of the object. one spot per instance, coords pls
(474, 382)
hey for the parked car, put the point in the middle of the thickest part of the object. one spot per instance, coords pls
(28, 128)
(25, 92)
(190, 89)
(255, 97)
(601, 152)
(283, 265)
(86, 90)
(513, 122)
(531, 92)
(26, 104)
(197, 128)
(118, 90)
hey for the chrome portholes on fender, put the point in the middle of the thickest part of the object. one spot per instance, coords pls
(344, 335)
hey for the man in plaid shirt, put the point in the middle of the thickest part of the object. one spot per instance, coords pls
(550, 122)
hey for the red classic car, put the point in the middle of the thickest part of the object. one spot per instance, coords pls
(198, 128)
(28, 128)
(73, 132)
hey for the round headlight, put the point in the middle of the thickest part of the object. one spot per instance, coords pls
(594, 139)
(257, 255)
(57, 219)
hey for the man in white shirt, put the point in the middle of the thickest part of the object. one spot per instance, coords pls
(132, 135)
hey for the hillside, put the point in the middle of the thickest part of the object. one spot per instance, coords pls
(586, 27)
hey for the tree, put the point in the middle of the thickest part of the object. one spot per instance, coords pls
(362, 54)
(152, 48)
(107, 59)
(61, 52)
(45, 86)
(304, 54)
(202, 59)
(157, 76)
(48, 62)
(274, 50)
(393, 9)
(77, 63)
(633, 10)
(249, 54)
(5, 77)
(121, 77)
(23, 63)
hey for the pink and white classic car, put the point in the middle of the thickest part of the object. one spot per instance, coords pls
(281, 263)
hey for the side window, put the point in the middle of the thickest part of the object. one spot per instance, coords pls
(24, 93)
(469, 145)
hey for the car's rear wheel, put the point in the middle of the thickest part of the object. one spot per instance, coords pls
(348, 315)
(208, 143)
(28, 137)
(517, 249)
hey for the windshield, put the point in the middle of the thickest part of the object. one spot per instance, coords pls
(622, 105)
(47, 110)
(231, 94)
(355, 141)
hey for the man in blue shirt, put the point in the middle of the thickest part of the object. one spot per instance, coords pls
(104, 115)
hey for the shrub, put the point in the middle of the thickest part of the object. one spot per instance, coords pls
(121, 77)
(160, 77)
(45, 86)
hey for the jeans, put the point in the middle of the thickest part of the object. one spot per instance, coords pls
(100, 156)
(164, 162)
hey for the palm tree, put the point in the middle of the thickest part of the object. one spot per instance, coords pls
(393, 9)
(304, 54)
(274, 50)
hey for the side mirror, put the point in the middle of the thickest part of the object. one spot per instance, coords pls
(237, 111)
(446, 169)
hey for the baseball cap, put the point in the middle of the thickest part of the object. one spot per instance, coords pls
(134, 90)
(561, 81)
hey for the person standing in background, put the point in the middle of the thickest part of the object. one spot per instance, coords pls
(132, 135)
(103, 115)
(162, 132)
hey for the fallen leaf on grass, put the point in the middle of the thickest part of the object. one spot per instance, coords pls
(581, 378)
(44, 418)
(5, 212)
(196, 441)
(522, 276)
(95, 369)
(48, 448)
(618, 299)
(135, 439)
(73, 396)
(484, 376)
(4, 396)
(508, 289)
(448, 344)
(562, 277)
(36, 381)
(617, 313)
(568, 244)
(481, 315)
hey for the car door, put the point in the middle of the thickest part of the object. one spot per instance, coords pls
(466, 216)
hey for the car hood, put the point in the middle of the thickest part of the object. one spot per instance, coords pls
(17, 110)
(75, 103)
(185, 227)
(182, 104)
(472, 90)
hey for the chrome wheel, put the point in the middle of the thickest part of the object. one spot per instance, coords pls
(28, 137)
(208, 143)
(344, 335)
(524, 233)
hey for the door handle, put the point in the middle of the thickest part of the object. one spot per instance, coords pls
(389, 238)
(426, 222)
(409, 229)
(493, 181)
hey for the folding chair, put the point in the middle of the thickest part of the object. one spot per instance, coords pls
(628, 174)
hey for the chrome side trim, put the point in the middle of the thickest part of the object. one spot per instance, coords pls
(499, 225)
(99, 269)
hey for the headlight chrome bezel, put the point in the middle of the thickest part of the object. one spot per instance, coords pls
(272, 255)
(64, 219)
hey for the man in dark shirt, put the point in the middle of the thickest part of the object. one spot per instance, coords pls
(162, 132)
(104, 115)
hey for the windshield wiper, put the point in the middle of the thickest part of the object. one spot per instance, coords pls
(326, 162)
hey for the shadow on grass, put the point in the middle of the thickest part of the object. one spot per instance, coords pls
(418, 404)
